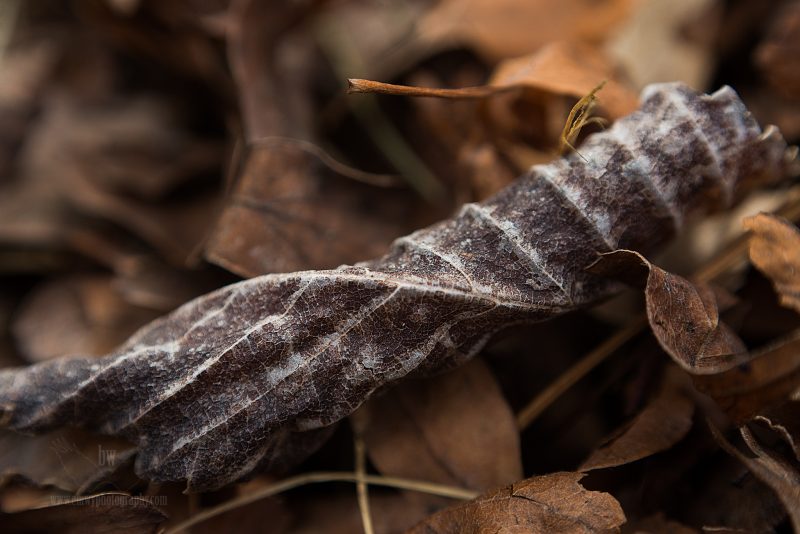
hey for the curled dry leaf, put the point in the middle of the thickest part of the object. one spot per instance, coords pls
(253, 375)
(683, 316)
(768, 379)
(775, 251)
(105, 513)
(785, 421)
(548, 503)
(659, 426)
(456, 429)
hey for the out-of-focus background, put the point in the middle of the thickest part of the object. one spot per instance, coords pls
(151, 151)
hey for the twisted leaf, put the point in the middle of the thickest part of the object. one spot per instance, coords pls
(252, 375)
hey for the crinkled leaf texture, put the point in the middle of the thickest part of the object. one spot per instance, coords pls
(252, 376)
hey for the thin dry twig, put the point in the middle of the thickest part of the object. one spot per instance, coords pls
(325, 476)
(361, 485)
(357, 85)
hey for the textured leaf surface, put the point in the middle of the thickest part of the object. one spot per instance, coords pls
(549, 503)
(253, 375)
(775, 251)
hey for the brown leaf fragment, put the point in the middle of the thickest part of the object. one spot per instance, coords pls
(251, 376)
(289, 212)
(105, 513)
(549, 503)
(500, 29)
(767, 379)
(784, 420)
(75, 315)
(775, 472)
(684, 317)
(560, 68)
(777, 55)
(660, 425)
(456, 429)
(69, 459)
(775, 251)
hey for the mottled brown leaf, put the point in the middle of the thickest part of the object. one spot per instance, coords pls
(105, 513)
(683, 316)
(659, 426)
(456, 430)
(252, 376)
(775, 251)
(554, 503)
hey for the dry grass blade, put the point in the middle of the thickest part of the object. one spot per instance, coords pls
(579, 116)
(361, 485)
(324, 476)
(356, 85)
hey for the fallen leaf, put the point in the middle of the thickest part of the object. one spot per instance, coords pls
(661, 424)
(683, 316)
(767, 379)
(500, 29)
(549, 503)
(293, 206)
(784, 420)
(289, 212)
(105, 513)
(69, 459)
(75, 315)
(456, 430)
(683, 32)
(778, 474)
(775, 251)
(776, 56)
(252, 375)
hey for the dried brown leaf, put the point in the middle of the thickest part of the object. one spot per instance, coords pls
(660, 425)
(456, 429)
(683, 316)
(777, 55)
(785, 421)
(775, 251)
(105, 513)
(500, 29)
(769, 377)
(252, 375)
(548, 503)
(75, 315)
(69, 459)
(775, 472)
(288, 212)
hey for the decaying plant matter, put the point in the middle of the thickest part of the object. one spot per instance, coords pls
(252, 376)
